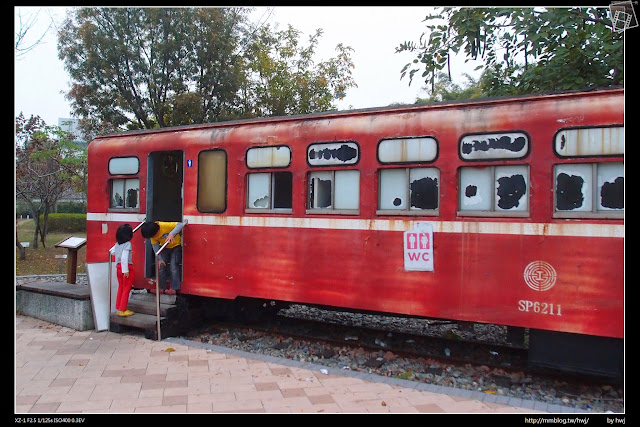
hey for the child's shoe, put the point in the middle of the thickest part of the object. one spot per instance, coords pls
(128, 312)
(121, 313)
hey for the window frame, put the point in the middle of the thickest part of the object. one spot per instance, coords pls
(494, 212)
(336, 163)
(594, 211)
(125, 179)
(408, 211)
(272, 147)
(271, 170)
(402, 140)
(226, 180)
(585, 156)
(123, 173)
(332, 210)
(496, 158)
(272, 184)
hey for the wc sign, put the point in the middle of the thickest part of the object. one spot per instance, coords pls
(418, 248)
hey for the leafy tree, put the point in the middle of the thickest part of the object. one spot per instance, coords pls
(213, 69)
(133, 66)
(284, 80)
(446, 90)
(140, 68)
(48, 164)
(524, 50)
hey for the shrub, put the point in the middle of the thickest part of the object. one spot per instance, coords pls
(71, 207)
(68, 223)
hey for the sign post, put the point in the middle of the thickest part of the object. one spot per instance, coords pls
(418, 248)
(72, 244)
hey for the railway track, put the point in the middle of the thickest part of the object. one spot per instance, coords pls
(450, 348)
(440, 353)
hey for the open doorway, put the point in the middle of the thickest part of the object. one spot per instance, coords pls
(165, 175)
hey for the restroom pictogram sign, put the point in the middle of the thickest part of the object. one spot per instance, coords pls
(418, 248)
(418, 241)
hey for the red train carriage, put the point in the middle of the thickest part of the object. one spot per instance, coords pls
(504, 211)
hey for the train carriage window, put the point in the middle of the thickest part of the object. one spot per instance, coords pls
(407, 150)
(124, 166)
(494, 190)
(410, 190)
(589, 190)
(585, 142)
(212, 181)
(339, 153)
(268, 157)
(125, 194)
(334, 191)
(494, 146)
(269, 191)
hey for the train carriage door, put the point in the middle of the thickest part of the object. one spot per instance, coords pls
(164, 194)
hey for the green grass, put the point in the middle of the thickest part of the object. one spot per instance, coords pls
(42, 260)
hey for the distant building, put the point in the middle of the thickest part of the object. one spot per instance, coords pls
(71, 126)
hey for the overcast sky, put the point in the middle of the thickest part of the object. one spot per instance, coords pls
(373, 33)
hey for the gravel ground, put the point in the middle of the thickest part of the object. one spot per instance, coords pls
(589, 398)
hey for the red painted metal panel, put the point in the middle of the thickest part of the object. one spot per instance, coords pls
(477, 276)
(364, 270)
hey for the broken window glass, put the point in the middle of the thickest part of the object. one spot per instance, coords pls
(511, 188)
(494, 189)
(423, 188)
(574, 187)
(512, 145)
(589, 188)
(333, 153)
(339, 190)
(476, 188)
(320, 190)
(125, 193)
(414, 189)
(258, 191)
(282, 190)
(269, 190)
(611, 186)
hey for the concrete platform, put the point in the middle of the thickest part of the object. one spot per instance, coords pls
(60, 303)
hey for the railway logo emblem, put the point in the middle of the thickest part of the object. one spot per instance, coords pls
(540, 276)
(418, 248)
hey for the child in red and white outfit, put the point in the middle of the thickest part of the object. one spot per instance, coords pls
(124, 268)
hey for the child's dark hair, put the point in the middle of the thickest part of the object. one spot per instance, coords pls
(149, 229)
(124, 233)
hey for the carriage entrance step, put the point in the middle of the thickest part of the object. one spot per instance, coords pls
(144, 307)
